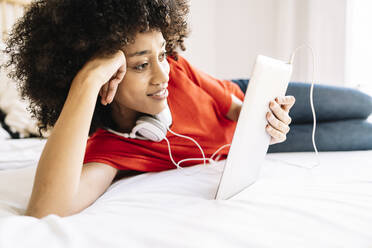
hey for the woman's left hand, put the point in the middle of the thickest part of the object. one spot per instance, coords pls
(278, 118)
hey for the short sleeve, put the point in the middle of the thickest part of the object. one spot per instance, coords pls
(101, 149)
(219, 90)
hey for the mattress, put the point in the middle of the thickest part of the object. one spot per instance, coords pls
(289, 206)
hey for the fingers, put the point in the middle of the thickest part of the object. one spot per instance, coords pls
(103, 93)
(279, 119)
(105, 68)
(277, 136)
(121, 73)
(278, 125)
(280, 113)
(121, 66)
(108, 91)
(113, 85)
(286, 102)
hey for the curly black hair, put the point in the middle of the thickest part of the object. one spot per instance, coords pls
(54, 39)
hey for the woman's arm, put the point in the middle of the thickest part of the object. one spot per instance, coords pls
(59, 169)
(235, 107)
(58, 175)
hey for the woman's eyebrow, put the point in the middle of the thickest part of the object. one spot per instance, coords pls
(140, 53)
(144, 52)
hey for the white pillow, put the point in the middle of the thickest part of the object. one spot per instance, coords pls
(17, 117)
(4, 134)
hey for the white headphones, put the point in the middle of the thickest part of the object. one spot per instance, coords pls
(152, 128)
(155, 128)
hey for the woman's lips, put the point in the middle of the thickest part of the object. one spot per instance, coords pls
(160, 95)
(159, 92)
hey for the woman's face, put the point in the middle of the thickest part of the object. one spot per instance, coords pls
(147, 73)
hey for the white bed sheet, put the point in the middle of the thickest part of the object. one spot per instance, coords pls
(328, 206)
(4, 134)
(18, 153)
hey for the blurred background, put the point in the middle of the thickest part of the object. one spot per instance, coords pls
(227, 35)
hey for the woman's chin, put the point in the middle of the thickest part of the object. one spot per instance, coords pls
(158, 108)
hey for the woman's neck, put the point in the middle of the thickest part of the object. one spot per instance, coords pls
(123, 118)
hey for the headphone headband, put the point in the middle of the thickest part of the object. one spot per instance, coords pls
(152, 128)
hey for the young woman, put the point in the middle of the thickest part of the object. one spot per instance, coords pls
(90, 65)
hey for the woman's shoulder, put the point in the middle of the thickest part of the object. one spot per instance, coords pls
(179, 62)
(104, 141)
(102, 136)
(180, 68)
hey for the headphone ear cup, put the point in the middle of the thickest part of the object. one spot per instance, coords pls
(150, 128)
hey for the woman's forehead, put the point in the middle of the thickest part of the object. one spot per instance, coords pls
(145, 40)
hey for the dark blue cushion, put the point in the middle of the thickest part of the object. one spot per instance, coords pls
(347, 135)
(331, 103)
(341, 114)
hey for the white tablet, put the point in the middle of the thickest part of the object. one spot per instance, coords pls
(250, 143)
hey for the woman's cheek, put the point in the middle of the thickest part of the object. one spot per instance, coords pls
(166, 67)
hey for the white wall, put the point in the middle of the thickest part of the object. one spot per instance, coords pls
(359, 45)
(8, 15)
(245, 29)
(227, 35)
(201, 44)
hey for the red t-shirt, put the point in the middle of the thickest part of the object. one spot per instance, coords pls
(198, 103)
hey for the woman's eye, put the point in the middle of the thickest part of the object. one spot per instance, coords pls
(141, 67)
(163, 55)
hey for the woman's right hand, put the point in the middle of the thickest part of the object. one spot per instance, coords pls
(107, 71)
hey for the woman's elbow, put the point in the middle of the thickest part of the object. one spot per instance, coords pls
(235, 107)
(43, 212)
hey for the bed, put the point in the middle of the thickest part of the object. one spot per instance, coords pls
(289, 206)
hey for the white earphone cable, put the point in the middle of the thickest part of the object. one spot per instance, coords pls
(219, 149)
(177, 164)
(186, 137)
(312, 108)
(212, 161)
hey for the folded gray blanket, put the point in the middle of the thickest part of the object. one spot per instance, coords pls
(345, 135)
(341, 115)
(331, 103)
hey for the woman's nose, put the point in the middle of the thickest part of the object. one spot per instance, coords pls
(161, 73)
